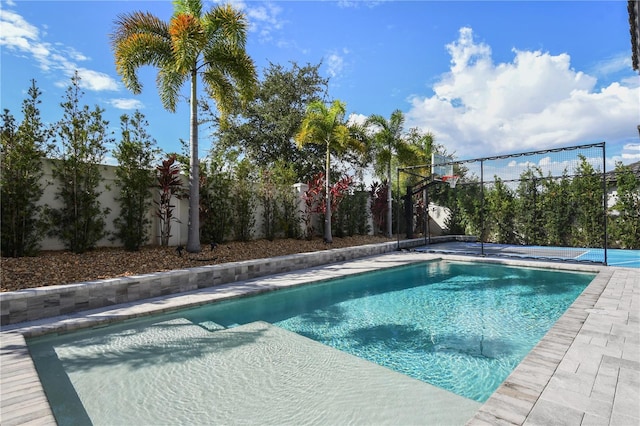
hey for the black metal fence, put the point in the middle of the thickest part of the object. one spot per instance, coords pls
(548, 204)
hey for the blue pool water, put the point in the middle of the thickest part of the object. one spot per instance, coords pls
(462, 327)
(459, 326)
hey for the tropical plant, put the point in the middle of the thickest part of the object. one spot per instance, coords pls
(339, 191)
(216, 200)
(244, 201)
(558, 210)
(168, 184)
(136, 154)
(311, 198)
(465, 204)
(83, 135)
(22, 148)
(529, 207)
(379, 193)
(389, 141)
(288, 220)
(352, 216)
(500, 213)
(267, 192)
(625, 227)
(588, 191)
(327, 126)
(192, 43)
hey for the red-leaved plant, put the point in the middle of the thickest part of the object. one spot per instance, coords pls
(315, 203)
(379, 201)
(168, 174)
(311, 203)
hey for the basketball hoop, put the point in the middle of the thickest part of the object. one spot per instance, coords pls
(452, 179)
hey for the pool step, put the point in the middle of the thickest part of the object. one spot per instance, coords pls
(211, 326)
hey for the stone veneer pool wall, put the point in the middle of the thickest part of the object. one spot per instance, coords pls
(44, 302)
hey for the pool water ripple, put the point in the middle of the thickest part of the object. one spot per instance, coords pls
(463, 332)
(462, 327)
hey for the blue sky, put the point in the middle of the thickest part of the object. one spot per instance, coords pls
(485, 78)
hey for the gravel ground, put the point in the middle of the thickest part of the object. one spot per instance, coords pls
(62, 267)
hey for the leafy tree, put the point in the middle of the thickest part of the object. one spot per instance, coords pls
(327, 126)
(264, 130)
(352, 217)
(558, 210)
(288, 221)
(421, 145)
(216, 203)
(82, 134)
(136, 154)
(22, 149)
(529, 208)
(244, 202)
(389, 141)
(267, 195)
(192, 43)
(588, 194)
(278, 201)
(625, 226)
(467, 209)
(500, 212)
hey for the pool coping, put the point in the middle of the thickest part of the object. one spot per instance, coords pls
(532, 394)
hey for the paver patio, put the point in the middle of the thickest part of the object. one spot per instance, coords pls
(586, 370)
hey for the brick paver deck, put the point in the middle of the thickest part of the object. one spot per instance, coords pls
(585, 371)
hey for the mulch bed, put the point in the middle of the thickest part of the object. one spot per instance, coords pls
(63, 267)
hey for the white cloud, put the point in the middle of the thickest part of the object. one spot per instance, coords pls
(126, 104)
(17, 34)
(263, 19)
(358, 3)
(631, 153)
(613, 64)
(357, 119)
(632, 147)
(96, 81)
(21, 37)
(335, 62)
(536, 101)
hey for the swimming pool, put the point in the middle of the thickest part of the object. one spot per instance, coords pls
(460, 326)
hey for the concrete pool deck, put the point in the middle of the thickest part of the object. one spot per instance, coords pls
(586, 370)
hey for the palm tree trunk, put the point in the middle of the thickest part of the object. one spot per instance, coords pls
(193, 237)
(327, 191)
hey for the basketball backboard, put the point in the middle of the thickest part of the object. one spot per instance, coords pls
(439, 166)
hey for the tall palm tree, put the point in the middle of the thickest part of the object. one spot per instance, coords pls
(327, 126)
(210, 45)
(388, 140)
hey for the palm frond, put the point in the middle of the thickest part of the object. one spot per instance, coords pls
(187, 41)
(190, 7)
(139, 39)
(169, 82)
(221, 89)
(226, 25)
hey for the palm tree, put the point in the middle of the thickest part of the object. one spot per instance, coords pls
(327, 126)
(210, 45)
(388, 140)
